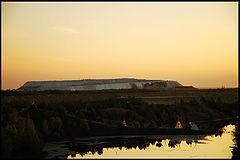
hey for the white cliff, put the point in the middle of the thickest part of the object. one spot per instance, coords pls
(100, 84)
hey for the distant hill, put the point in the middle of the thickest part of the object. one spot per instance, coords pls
(101, 84)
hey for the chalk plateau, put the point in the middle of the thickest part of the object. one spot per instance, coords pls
(100, 84)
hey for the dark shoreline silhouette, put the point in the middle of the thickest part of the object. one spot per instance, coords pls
(32, 119)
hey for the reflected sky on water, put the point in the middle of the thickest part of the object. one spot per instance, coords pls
(214, 146)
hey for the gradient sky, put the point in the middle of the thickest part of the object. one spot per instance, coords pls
(193, 43)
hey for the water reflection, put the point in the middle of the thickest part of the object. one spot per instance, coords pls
(144, 149)
(178, 146)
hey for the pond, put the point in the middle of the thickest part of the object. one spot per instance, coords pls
(147, 146)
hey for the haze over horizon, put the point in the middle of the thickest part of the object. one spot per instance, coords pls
(193, 43)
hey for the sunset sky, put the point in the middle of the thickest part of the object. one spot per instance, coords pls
(193, 43)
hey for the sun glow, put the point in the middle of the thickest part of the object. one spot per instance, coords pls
(192, 43)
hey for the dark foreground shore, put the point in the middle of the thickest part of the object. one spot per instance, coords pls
(150, 131)
(29, 120)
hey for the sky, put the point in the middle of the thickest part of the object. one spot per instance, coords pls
(193, 43)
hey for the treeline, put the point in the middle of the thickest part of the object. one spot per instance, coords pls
(27, 122)
(15, 92)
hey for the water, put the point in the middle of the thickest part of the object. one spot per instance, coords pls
(165, 146)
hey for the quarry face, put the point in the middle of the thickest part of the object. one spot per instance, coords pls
(99, 84)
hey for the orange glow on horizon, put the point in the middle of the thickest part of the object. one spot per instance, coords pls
(193, 43)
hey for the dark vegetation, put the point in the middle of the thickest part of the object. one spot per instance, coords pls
(30, 119)
(235, 151)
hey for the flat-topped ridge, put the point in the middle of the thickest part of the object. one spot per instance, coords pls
(130, 79)
(100, 84)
